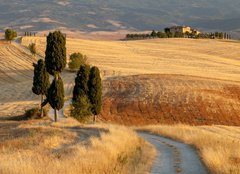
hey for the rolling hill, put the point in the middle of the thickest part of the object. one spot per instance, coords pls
(151, 81)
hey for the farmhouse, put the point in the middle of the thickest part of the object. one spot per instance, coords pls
(183, 30)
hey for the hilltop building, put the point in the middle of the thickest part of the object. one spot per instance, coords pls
(184, 30)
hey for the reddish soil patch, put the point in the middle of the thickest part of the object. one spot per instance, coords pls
(170, 99)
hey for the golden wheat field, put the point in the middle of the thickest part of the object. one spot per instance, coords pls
(217, 145)
(204, 58)
(144, 82)
(195, 81)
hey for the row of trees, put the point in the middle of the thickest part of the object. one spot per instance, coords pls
(168, 34)
(87, 88)
(55, 62)
(87, 93)
(27, 33)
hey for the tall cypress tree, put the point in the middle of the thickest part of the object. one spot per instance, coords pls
(55, 63)
(40, 80)
(95, 91)
(55, 53)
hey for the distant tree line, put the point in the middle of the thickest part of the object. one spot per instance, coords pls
(167, 34)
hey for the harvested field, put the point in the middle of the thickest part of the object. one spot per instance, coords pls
(204, 58)
(152, 99)
(145, 82)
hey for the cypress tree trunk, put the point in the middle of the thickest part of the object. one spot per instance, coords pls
(94, 118)
(41, 110)
(55, 114)
(55, 110)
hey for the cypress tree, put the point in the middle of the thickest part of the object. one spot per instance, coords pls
(95, 91)
(55, 96)
(80, 101)
(55, 53)
(154, 34)
(81, 82)
(55, 63)
(40, 80)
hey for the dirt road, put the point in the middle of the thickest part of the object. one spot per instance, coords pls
(174, 157)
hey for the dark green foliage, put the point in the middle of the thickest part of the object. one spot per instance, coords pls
(168, 34)
(178, 35)
(161, 34)
(32, 113)
(80, 101)
(10, 34)
(95, 90)
(41, 79)
(55, 96)
(81, 82)
(32, 48)
(76, 60)
(167, 30)
(55, 53)
(81, 108)
(154, 34)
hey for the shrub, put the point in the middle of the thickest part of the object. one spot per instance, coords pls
(32, 48)
(76, 60)
(32, 113)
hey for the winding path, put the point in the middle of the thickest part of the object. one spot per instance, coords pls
(174, 157)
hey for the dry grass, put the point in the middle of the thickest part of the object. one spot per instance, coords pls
(218, 145)
(197, 96)
(205, 58)
(41, 147)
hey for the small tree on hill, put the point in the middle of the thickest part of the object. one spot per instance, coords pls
(10, 34)
(32, 48)
(40, 80)
(55, 96)
(154, 33)
(76, 60)
(95, 91)
(55, 63)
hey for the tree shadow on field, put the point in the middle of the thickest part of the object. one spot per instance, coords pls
(84, 134)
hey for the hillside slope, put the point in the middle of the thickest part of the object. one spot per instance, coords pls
(152, 81)
(15, 65)
(204, 58)
(154, 99)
